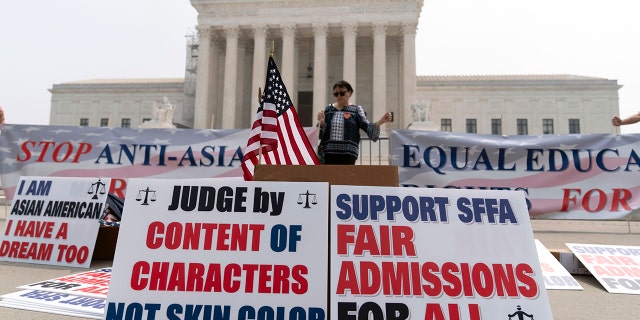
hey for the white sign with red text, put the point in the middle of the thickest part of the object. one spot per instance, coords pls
(418, 253)
(216, 249)
(54, 220)
(92, 284)
(617, 268)
(555, 276)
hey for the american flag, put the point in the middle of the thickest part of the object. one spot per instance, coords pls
(276, 130)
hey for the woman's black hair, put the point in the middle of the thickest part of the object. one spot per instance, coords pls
(343, 84)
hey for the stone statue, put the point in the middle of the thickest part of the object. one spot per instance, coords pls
(162, 115)
(420, 111)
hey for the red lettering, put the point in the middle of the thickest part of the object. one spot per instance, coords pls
(45, 146)
(59, 148)
(595, 200)
(139, 269)
(83, 148)
(392, 240)
(529, 288)
(300, 285)
(231, 271)
(154, 228)
(25, 148)
(118, 187)
(34, 229)
(60, 152)
(347, 279)
(433, 288)
(230, 237)
(449, 274)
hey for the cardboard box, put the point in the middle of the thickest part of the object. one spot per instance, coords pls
(105, 247)
(353, 175)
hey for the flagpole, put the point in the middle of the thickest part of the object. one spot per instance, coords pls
(260, 148)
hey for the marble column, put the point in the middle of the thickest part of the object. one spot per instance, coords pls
(409, 79)
(202, 113)
(288, 60)
(230, 77)
(349, 33)
(243, 117)
(259, 64)
(379, 70)
(320, 31)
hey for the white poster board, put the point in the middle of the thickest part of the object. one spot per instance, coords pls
(221, 249)
(417, 253)
(93, 284)
(54, 220)
(617, 268)
(555, 276)
(58, 303)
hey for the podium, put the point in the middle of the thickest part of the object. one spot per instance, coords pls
(353, 175)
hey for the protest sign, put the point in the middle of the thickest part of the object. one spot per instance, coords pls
(54, 220)
(209, 248)
(617, 268)
(57, 303)
(418, 253)
(94, 284)
(555, 276)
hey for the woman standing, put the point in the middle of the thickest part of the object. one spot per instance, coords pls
(340, 125)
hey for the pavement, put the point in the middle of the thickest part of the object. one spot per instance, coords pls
(594, 302)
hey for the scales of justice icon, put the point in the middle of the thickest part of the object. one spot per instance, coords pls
(96, 188)
(307, 195)
(146, 197)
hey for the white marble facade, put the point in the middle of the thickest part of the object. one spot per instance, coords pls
(370, 43)
(316, 43)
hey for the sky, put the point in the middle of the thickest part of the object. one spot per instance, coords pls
(44, 42)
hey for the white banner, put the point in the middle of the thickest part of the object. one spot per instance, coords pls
(54, 220)
(591, 176)
(214, 248)
(416, 253)
(121, 153)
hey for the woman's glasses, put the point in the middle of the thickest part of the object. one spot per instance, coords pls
(341, 93)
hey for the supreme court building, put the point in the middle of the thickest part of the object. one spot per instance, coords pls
(315, 43)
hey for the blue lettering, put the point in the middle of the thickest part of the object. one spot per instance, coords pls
(473, 210)
(408, 154)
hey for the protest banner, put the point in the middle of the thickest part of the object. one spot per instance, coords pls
(617, 268)
(576, 176)
(121, 153)
(417, 253)
(220, 249)
(54, 220)
(555, 276)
